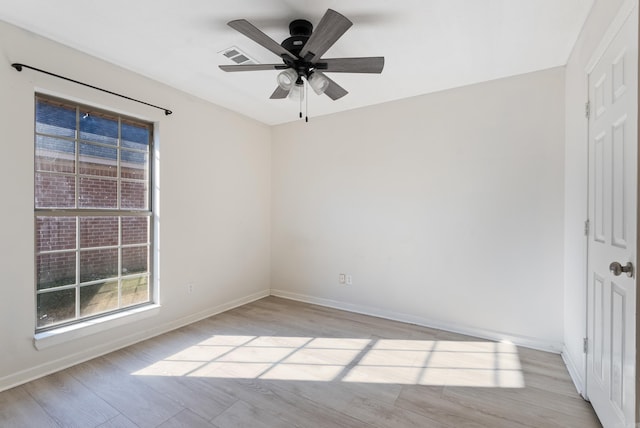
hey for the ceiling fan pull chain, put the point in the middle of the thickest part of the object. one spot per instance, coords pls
(306, 99)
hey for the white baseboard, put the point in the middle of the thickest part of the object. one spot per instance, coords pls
(49, 367)
(528, 342)
(574, 372)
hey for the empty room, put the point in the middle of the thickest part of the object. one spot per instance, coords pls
(319, 214)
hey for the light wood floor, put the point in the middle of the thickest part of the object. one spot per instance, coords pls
(279, 363)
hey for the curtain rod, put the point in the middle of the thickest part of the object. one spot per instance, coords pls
(19, 67)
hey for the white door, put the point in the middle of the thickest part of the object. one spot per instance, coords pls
(613, 187)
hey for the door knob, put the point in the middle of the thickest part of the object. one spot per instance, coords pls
(616, 268)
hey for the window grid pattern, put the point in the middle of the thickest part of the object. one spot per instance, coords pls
(93, 212)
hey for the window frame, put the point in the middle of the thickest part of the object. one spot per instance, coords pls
(84, 213)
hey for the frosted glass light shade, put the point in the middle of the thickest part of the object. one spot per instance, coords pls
(297, 92)
(287, 79)
(318, 83)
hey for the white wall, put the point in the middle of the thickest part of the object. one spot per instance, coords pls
(214, 206)
(576, 150)
(447, 209)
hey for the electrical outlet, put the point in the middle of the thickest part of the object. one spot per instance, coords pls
(349, 280)
(190, 288)
(342, 278)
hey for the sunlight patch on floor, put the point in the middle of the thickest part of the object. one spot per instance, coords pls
(320, 359)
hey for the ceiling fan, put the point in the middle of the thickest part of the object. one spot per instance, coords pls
(302, 56)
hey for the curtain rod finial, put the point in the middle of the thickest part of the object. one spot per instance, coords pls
(167, 112)
(17, 66)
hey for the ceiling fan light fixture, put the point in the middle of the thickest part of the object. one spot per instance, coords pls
(287, 79)
(318, 83)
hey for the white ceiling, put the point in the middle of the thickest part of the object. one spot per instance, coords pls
(428, 45)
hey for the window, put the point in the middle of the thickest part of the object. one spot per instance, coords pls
(93, 217)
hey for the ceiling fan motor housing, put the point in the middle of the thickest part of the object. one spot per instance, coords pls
(300, 30)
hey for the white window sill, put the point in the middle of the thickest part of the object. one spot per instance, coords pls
(68, 333)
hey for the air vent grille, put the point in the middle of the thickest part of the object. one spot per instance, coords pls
(237, 56)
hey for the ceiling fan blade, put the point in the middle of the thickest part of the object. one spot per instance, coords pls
(373, 64)
(279, 93)
(333, 91)
(330, 28)
(252, 67)
(252, 32)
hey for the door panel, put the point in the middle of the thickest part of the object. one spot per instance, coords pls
(613, 214)
(619, 235)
